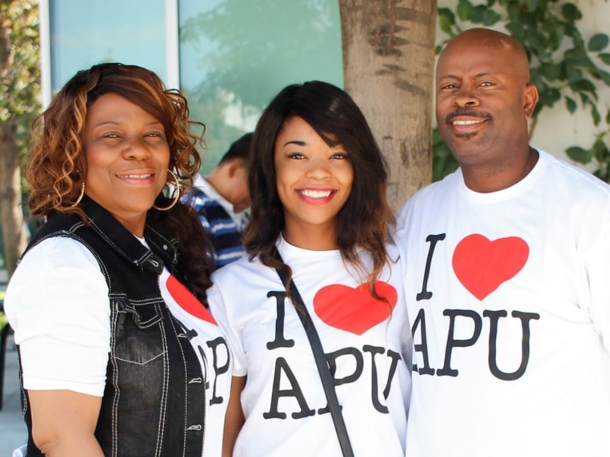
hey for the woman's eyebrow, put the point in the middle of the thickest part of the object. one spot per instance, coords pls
(297, 142)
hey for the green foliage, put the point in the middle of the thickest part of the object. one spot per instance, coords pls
(3, 318)
(563, 64)
(20, 70)
(443, 161)
(20, 80)
(599, 152)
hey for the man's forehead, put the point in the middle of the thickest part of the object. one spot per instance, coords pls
(483, 50)
(483, 38)
(479, 61)
(472, 65)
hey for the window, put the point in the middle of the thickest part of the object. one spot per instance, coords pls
(230, 57)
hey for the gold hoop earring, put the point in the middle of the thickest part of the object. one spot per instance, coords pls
(80, 197)
(176, 198)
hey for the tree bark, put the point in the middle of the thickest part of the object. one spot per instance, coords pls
(388, 64)
(11, 214)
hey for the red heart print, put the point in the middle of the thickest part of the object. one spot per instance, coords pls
(188, 301)
(482, 265)
(354, 310)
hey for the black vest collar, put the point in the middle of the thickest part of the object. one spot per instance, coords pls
(163, 248)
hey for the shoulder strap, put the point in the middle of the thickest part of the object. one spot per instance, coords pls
(321, 363)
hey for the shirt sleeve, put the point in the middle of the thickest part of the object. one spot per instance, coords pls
(597, 265)
(57, 304)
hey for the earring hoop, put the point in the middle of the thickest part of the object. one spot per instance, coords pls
(176, 198)
(80, 197)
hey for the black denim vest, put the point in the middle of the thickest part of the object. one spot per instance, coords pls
(154, 400)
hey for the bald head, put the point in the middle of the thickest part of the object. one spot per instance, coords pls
(496, 44)
(483, 103)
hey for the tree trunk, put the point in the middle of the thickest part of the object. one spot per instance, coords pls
(11, 214)
(388, 64)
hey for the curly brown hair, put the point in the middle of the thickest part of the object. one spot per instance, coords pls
(365, 220)
(56, 166)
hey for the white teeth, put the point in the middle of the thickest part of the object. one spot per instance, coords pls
(136, 176)
(316, 193)
(467, 122)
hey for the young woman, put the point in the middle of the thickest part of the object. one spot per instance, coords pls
(318, 182)
(118, 354)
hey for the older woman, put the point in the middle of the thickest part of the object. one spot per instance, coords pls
(118, 354)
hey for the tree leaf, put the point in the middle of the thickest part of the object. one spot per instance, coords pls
(463, 9)
(490, 17)
(476, 14)
(528, 20)
(550, 71)
(571, 105)
(548, 97)
(573, 74)
(584, 85)
(577, 57)
(604, 57)
(446, 20)
(570, 12)
(513, 9)
(595, 114)
(605, 76)
(535, 39)
(443, 161)
(577, 38)
(598, 42)
(516, 29)
(600, 149)
(580, 155)
(555, 30)
(555, 93)
(584, 98)
(532, 5)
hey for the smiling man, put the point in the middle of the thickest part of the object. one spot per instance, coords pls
(484, 101)
(507, 286)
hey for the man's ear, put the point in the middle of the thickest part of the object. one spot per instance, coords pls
(233, 167)
(531, 100)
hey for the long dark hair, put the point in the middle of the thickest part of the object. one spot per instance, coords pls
(365, 219)
(57, 165)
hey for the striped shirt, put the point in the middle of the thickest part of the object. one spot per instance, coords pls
(216, 214)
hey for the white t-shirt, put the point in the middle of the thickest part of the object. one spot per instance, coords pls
(366, 340)
(509, 298)
(57, 303)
